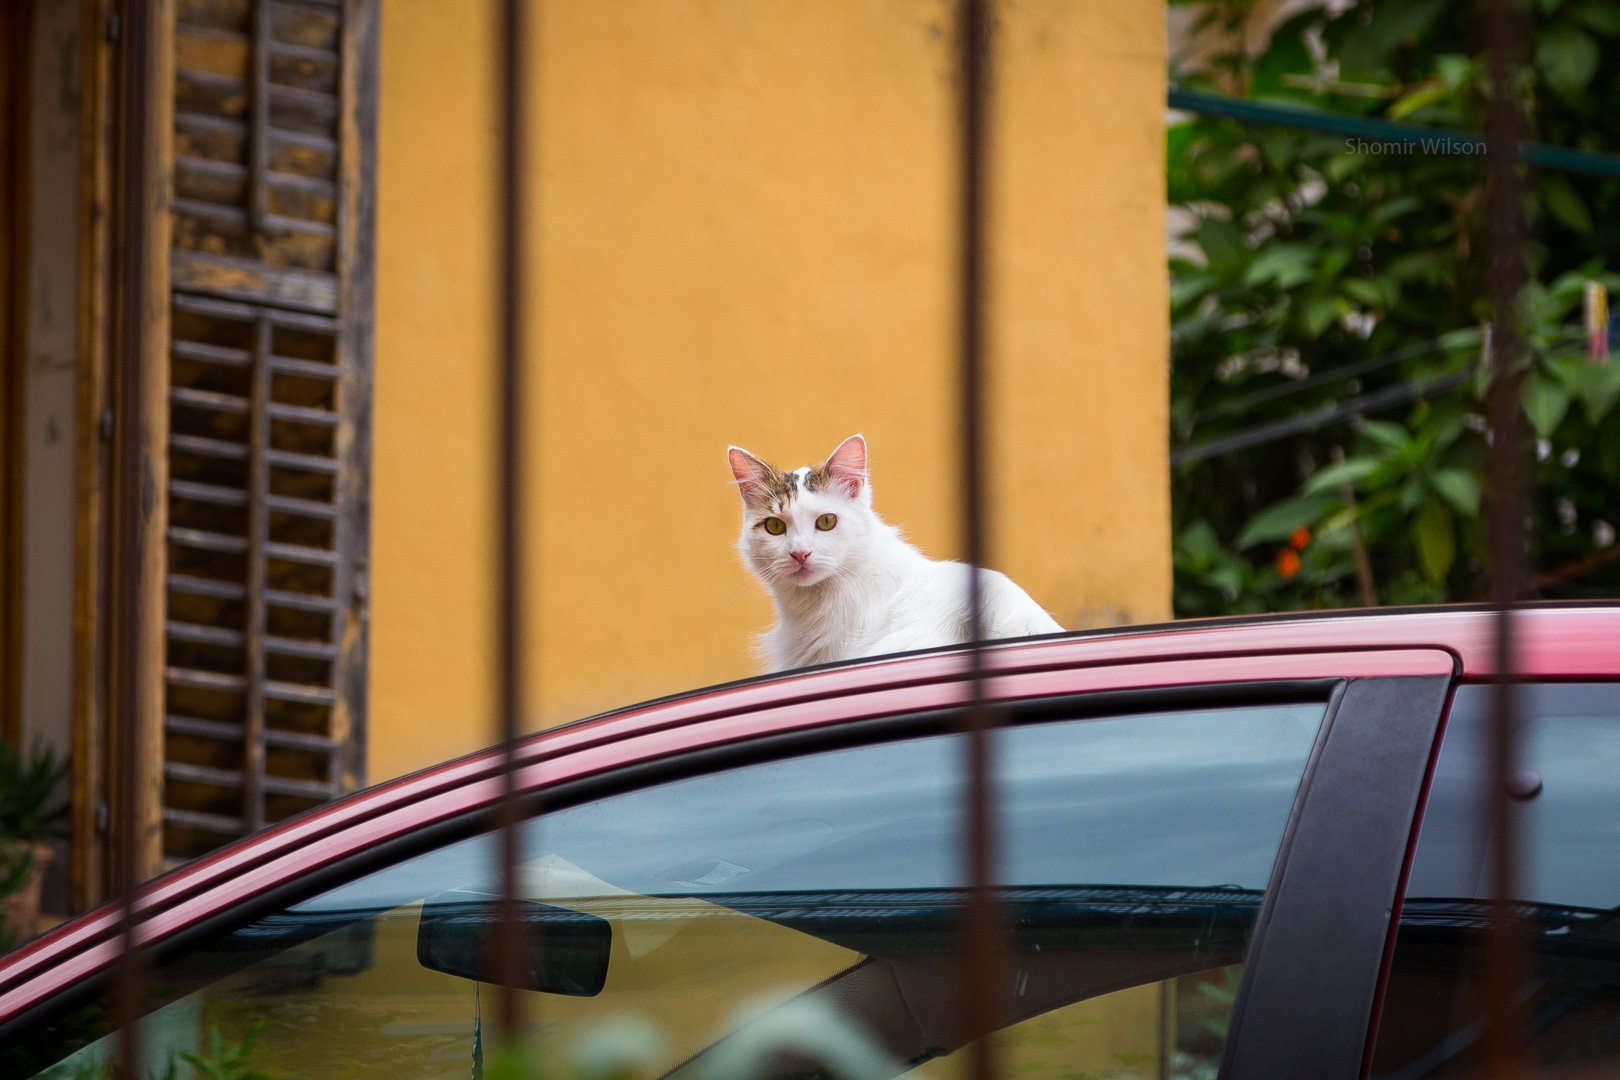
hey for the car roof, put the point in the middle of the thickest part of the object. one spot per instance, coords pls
(1566, 641)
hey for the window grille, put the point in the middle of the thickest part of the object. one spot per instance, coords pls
(269, 413)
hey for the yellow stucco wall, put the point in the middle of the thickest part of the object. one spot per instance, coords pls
(745, 216)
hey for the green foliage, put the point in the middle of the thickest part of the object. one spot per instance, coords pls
(38, 1047)
(1568, 58)
(512, 1062)
(1305, 253)
(1225, 992)
(16, 868)
(1210, 580)
(30, 811)
(31, 808)
(224, 1061)
(1279, 521)
(95, 1070)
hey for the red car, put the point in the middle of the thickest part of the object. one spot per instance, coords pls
(1204, 832)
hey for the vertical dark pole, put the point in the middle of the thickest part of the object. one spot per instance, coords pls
(258, 131)
(129, 349)
(1504, 957)
(258, 570)
(509, 534)
(981, 975)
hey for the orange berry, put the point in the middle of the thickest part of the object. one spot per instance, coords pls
(1287, 563)
(1301, 537)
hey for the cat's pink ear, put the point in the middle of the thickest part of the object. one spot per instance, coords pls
(751, 473)
(846, 468)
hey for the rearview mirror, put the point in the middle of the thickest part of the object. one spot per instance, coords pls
(560, 951)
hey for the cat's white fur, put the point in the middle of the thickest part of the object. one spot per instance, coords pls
(857, 589)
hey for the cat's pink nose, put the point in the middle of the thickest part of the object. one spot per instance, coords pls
(801, 556)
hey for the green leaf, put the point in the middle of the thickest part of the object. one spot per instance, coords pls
(1454, 70)
(1368, 48)
(1447, 427)
(1540, 305)
(1284, 265)
(1344, 472)
(1465, 338)
(1333, 531)
(1420, 98)
(1568, 58)
(1286, 55)
(1565, 204)
(1221, 240)
(29, 781)
(1188, 287)
(1596, 385)
(1375, 292)
(1334, 260)
(1340, 166)
(1547, 306)
(1602, 16)
(1387, 434)
(1362, 291)
(1320, 311)
(1572, 283)
(1281, 520)
(1228, 579)
(1178, 137)
(1388, 212)
(1545, 403)
(1413, 493)
(1197, 548)
(1436, 539)
(1601, 390)
(1460, 488)
(1429, 267)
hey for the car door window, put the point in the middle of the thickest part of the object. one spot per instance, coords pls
(789, 917)
(1430, 1024)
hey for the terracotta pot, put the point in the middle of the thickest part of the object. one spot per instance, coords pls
(21, 908)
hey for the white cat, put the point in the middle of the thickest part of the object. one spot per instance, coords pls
(845, 583)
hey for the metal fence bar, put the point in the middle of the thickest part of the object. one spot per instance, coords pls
(259, 121)
(1505, 965)
(129, 351)
(258, 540)
(509, 597)
(980, 965)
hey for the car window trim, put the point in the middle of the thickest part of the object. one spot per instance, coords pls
(1311, 975)
(1388, 959)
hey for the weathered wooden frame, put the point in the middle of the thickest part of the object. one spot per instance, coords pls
(15, 35)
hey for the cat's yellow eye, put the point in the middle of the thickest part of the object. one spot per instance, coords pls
(826, 522)
(776, 526)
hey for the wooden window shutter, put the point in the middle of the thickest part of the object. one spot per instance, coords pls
(269, 406)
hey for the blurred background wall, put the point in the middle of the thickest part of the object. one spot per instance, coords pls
(744, 234)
